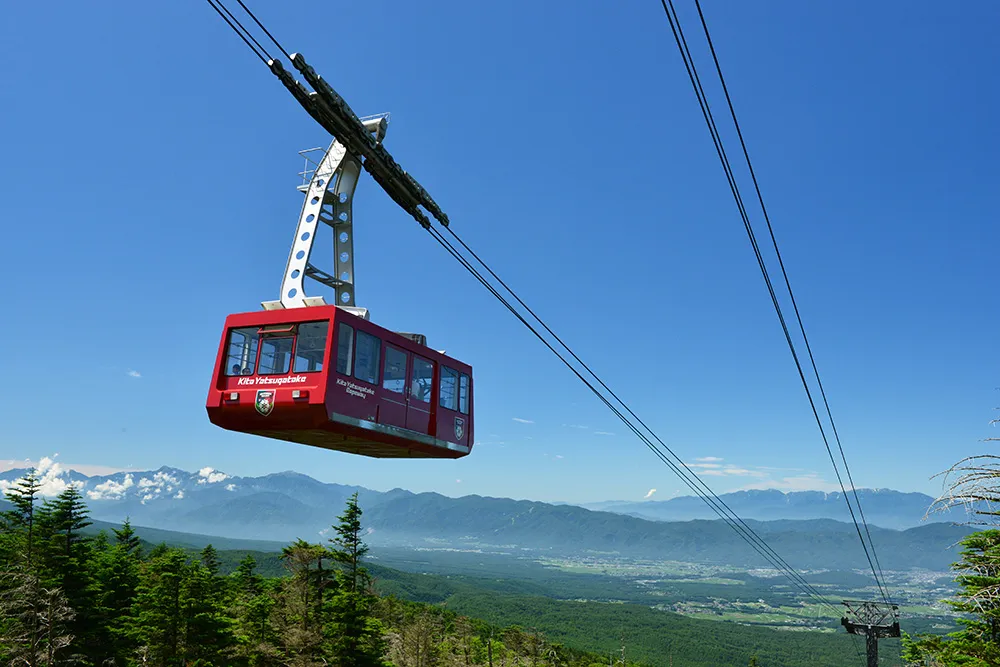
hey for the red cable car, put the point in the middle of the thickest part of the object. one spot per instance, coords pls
(325, 376)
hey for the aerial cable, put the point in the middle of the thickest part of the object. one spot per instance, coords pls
(746, 533)
(716, 138)
(266, 32)
(239, 32)
(743, 530)
(720, 149)
(707, 489)
(788, 285)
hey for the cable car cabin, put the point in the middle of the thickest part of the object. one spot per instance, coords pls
(324, 377)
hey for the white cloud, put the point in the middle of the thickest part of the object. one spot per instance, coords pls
(211, 475)
(180, 495)
(90, 469)
(111, 490)
(458, 481)
(728, 470)
(161, 482)
(580, 426)
(649, 494)
(51, 478)
(522, 421)
(809, 481)
(133, 374)
(559, 456)
(230, 487)
(603, 433)
(715, 469)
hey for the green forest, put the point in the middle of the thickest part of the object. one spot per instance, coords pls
(69, 596)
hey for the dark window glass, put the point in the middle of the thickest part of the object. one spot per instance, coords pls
(366, 357)
(394, 376)
(310, 348)
(242, 351)
(345, 348)
(463, 394)
(449, 388)
(423, 378)
(275, 356)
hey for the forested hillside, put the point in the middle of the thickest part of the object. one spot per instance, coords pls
(66, 598)
(110, 599)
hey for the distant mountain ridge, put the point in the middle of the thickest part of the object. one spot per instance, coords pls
(882, 507)
(288, 505)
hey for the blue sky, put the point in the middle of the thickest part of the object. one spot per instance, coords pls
(149, 172)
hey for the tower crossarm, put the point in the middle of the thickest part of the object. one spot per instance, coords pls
(873, 620)
(333, 113)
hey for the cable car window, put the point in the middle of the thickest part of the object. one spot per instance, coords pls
(423, 377)
(275, 356)
(242, 353)
(463, 394)
(449, 388)
(366, 356)
(310, 347)
(345, 348)
(394, 376)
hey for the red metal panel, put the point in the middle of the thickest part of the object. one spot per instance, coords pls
(264, 405)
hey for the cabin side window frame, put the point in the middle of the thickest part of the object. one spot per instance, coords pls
(248, 365)
(345, 356)
(442, 397)
(464, 392)
(274, 341)
(386, 362)
(322, 348)
(374, 363)
(417, 384)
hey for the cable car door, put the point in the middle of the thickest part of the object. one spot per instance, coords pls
(418, 409)
(392, 407)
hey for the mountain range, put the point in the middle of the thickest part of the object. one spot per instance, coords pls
(882, 507)
(288, 505)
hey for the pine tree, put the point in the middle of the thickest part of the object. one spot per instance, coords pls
(20, 523)
(37, 616)
(157, 624)
(356, 636)
(978, 643)
(207, 633)
(298, 616)
(118, 580)
(69, 565)
(255, 636)
(245, 578)
(210, 559)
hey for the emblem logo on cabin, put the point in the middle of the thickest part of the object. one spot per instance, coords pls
(265, 401)
(459, 428)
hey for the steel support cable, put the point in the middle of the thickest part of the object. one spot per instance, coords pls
(743, 530)
(707, 490)
(788, 285)
(709, 117)
(746, 533)
(266, 32)
(239, 31)
(716, 138)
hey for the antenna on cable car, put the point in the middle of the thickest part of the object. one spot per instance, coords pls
(329, 196)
